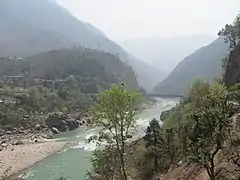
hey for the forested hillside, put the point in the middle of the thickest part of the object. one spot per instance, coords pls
(91, 67)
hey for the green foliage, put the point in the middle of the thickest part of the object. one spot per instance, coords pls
(194, 131)
(162, 145)
(198, 89)
(154, 141)
(230, 34)
(198, 127)
(211, 127)
(37, 101)
(105, 165)
(114, 111)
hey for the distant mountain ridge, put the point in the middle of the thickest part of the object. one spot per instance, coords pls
(30, 27)
(205, 63)
(165, 53)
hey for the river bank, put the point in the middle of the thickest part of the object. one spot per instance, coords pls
(15, 158)
(21, 147)
(74, 161)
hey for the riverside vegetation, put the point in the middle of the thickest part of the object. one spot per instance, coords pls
(199, 138)
(50, 93)
(194, 132)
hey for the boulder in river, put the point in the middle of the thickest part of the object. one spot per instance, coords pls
(8, 132)
(2, 131)
(129, 136)
(26, 116)
(54, 119)
(4, 141)
(64, 122)
(43, 126)
(18, 143)
(37, 126)
(72, 124)
(55, 130)
(4, 145)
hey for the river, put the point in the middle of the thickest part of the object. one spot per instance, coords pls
(74, 161)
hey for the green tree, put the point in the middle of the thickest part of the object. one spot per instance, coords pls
(198, 89)
(114, 111)
(211, 127)
(171, 144)
(230, 34)
(154, 141)
(236, 23)
(105, 164)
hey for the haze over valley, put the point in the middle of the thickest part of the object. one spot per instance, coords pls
(165, 53)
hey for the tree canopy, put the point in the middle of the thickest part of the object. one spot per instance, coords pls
(114, 111)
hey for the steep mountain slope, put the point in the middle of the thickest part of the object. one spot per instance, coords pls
(148, 75)
(205, 63)
(29, 27)
(165, 53)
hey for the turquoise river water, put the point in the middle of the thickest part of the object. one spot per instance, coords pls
(74, 161)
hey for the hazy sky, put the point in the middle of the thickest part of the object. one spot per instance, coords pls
(126, 19)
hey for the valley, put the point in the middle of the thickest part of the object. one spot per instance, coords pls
(78, 103)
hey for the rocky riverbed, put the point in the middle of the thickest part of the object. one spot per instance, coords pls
(15, 158)
(21, 147)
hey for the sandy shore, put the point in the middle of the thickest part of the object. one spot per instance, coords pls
(21, 157)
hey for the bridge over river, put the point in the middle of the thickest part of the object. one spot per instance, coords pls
(151, 95)
(163, 95)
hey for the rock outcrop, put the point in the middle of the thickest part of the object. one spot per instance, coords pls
(62, 122)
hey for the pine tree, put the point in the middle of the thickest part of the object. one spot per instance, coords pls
(154, 140)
